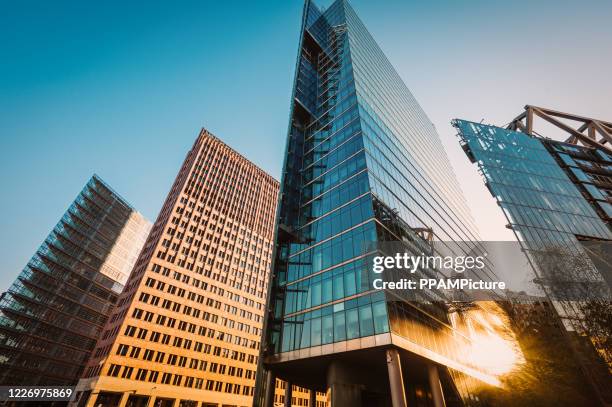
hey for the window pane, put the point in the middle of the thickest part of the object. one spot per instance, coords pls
(305, 335)
(339, 327)
(328, 329)
(315, 335)
(327, 291)
(338, 287)
(316, 294)
(381, 323)
(352, 324)
(365, 320)
(286, 338)
(349, 283)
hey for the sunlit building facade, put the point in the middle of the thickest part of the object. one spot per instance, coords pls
(363, 165)
(52, 315)
(186, 329)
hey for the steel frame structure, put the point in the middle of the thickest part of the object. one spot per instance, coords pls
(585, 131)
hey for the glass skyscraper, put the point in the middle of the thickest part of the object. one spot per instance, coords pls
(52, 315)
(363, 165)
(556, 198)
(537, 194)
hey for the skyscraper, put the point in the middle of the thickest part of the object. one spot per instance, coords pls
(556, 197)
(52, 315)
(363, 165)
(187, 327)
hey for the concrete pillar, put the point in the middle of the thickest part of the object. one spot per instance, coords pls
(396, 381)
(288, 393)
(269, 391)
(435, 385)
(345, 387)
(312, 398)
(124, 398)
(92, 399)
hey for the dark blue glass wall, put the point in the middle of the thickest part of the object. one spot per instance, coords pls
(363, 165)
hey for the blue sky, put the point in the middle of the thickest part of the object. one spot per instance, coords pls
(121, 89)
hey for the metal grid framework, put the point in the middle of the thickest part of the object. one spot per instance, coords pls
(588, 131)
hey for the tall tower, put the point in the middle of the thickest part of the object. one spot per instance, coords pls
(52, 315)
(363, 165)
(186, 329)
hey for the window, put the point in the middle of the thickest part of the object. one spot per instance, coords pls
(148, 354)
(339, 327)
(381, 323)
(130, 330)
(315, 326)
(135, 352)
(365, 320)
(328, 329)
(113, 370)
(352, 324)
(142, 374)
(127, 372)
(159, 358)
(166, 378)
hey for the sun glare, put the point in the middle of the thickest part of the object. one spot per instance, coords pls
(494, 354)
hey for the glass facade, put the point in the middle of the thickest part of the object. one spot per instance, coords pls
(363, 165)
(555, 198)
(543, 192)
(538, 196)
(52, 314)
(590, 170)
(544, 195)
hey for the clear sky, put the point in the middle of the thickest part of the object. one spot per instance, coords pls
(121, 89)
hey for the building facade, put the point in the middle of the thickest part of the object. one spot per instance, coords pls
(363, 165)
(548, 190)
(556, 198)
(187, 327)
(52, 315)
